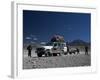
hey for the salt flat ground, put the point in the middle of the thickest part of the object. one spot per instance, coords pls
(74, 60)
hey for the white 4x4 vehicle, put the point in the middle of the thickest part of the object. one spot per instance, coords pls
(52, 49)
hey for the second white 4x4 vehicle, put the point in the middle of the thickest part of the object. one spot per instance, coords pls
(52, 49)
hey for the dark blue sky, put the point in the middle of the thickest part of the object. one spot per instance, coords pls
(42, 25)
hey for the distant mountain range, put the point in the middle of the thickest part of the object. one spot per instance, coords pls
(78, 43)
(72, 43)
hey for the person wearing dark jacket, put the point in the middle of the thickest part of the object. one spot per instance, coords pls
(29, 48)
(67, 49)
(77, 50)
(86, 50)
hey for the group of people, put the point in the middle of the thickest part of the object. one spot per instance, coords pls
(86, 50)
(78, 51)
(29, 48)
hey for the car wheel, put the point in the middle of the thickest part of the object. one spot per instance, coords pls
(54, 54)
(39, 55)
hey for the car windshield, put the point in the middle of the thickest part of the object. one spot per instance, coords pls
(55, 45)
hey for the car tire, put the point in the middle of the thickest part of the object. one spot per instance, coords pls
(54, 54)
(39, 54)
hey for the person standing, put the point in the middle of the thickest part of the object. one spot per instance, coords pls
(86, 50)
(67, 49)
(29, 48)
(77, 50)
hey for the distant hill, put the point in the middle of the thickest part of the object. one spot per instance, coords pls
(78, 43)
(34, 45)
